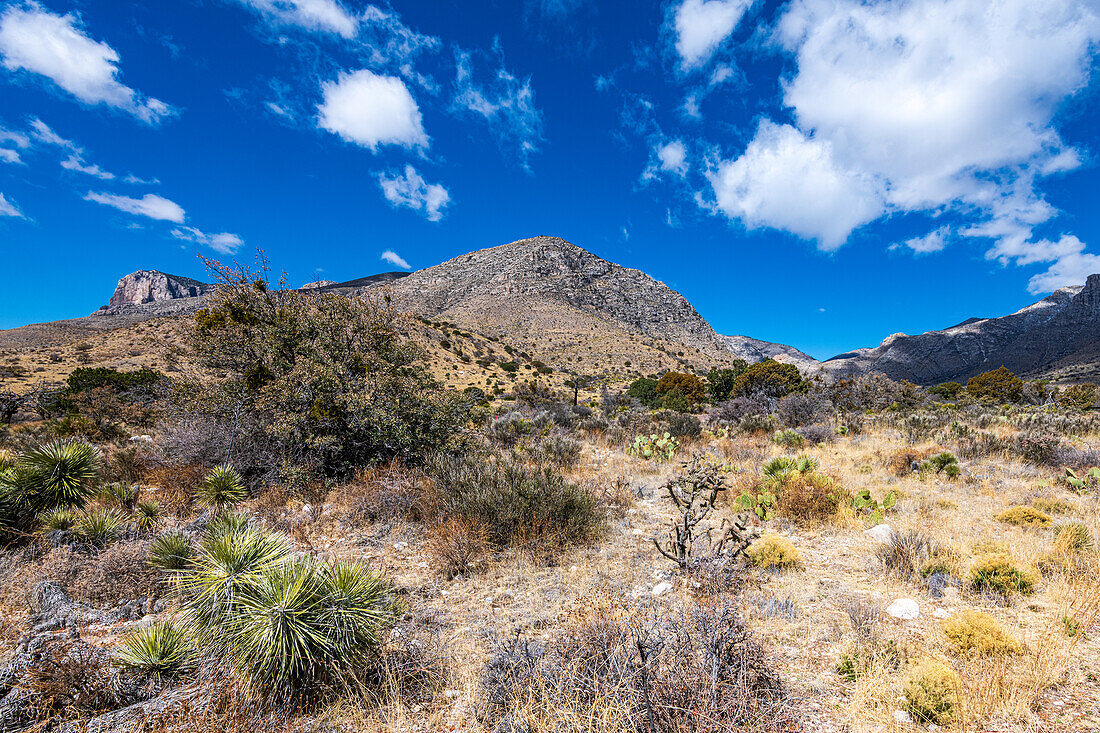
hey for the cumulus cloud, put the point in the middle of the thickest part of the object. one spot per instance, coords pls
(10, 156)
(150, 205)
(7, 208)
(934, 241)
(700, 27)
(787, 180)
(223, 242)
(930, 105)
(395, 259)
(326, 16)
(34, 40)
(505, 102)
(76, 163)
(410, 190)
(371, 110)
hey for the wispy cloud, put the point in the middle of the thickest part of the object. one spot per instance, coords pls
(699, 27)
(411, 191)
(150, 205)
(326, 16)
(223, 242)
(76, 163)
(34, 40)
(395, 259)
(7, 208)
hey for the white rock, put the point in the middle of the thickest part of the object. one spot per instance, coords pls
(573, 568)
(661, 588)
(400, 545)
(422, 564)
(903, 717)
(905, 609)
(883, 533)
(941, 613)
(307, 509)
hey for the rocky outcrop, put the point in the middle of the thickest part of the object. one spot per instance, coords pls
(754, 350)
(153, 286)
(1061, 329)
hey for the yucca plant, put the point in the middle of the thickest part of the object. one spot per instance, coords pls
(221, 488)
(170, 551)
(227, 522)
(61, 518)
(99, 527)
(164, 649)
(57, 474)
(148, 514)
(121, 494)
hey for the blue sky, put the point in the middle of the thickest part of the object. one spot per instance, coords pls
(818, 172)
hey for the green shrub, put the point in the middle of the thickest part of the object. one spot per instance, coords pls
(148, 514)
(170, 551)
(947, 390)
(99, 527)
(1079, 397)
(932, 692)
(788, 439)
(773, 551)
(977, 633)
(163, 649)
(644, 390)
(681, 390)
(56, 474)
(769, 378)
(1053, 506)
(61, 518)
(998, 573)
(781, 469)
(999, 385)
(221, 488)
(121, 494)
(945, 462)
(1024, 516)
(720, 381)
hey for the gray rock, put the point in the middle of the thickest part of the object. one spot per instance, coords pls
(151, 286)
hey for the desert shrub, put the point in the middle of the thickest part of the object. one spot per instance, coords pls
(733, 410)
(679, 668)
(788, 439)
(907, 554)
(999, 385)
(947, 390)
(944, 462)
(514, 502)
(221, 488)
(977, 633)
(773, 551)
(1024, 516)
(769, 378)
(558, 450)
(798, 409)
(62, 518)
(678, 424)
(932, 691)
(1079, 397)
(644, 390)
(163, 649)
(998, 573)
(810, 498)
(1042, 450)
(170, 551)
(689, 388)
(383, 493)
(509, 428)
(328, 381)
(98, 526)
(756, 424)
(55, 474)
(720, 381)
(781, 469)
(118, 572)
(818, 433)
(1053, 506)
(1073, 537)
(73, 681)
(456, 545)
(906, 460)
(148, 513)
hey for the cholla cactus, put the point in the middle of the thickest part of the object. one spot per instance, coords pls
(660, 448)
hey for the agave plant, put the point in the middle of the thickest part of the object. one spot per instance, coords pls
(57, 474)
(61, 518)
(99, 527)
(164, 649)
(170, 551)
(222, 487)
(148, 514)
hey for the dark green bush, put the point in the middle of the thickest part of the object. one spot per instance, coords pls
(769, 378)
(999, 385)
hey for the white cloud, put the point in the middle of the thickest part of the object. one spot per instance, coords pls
(789, 181)
(934, 241)
(371, 110)
(45, 134)
(942, 104)
(224, 242)
(138, 181)
(55, 46)
(1070, 263)
(412, 191)
(77, 164)
(10, 156)
(390, 41)
(673, 157)
(17, 139)
(327, 16)
(700, 27)
(395, 259)
(7, 208)
(505, 102)
(150, 205)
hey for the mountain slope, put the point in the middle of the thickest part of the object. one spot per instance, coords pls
(1059, 331)
(752, 350)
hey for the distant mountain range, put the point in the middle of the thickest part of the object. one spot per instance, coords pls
(552, 298)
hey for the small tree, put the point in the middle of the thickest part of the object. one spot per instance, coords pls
(770, 378)
(947, 390)
(1079, 396)
(577, 382)
(720, 381)
(644, 390)
(691, 389)
(998, 385)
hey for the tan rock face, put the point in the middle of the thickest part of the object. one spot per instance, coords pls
(152, 286)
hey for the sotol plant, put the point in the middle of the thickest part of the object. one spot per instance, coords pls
(57, 474)
(221, 488)
(164, 649)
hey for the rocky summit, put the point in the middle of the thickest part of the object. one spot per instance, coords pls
(153, 286)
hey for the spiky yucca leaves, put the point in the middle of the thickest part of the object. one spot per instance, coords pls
(60, 518)
(121, 494)
(148, 514)
(221, 488)
(228, 522)
(98, 526)
(164, 649)
(359, 604)
(57, 474)
(225, 567)
(170, 551)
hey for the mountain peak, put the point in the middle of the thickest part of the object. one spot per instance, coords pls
(151, 286)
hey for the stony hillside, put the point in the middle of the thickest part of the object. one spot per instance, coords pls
(753, 350)
(152, 286)
(1058, 336)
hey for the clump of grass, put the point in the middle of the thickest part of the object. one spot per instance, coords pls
(1024, 516)
(979, 634)
(906, 554)
(221, 488)
(811, 498)
(457, 545)
(1054, 506)
(61, 518)
(164, 649)
(99, 527)
(773, 551)
(932, 692)
(788, 439)
(148, 514)
(999, 573)
(1073, 537)
(170, 551)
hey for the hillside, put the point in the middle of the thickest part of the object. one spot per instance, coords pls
(1058, 336)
